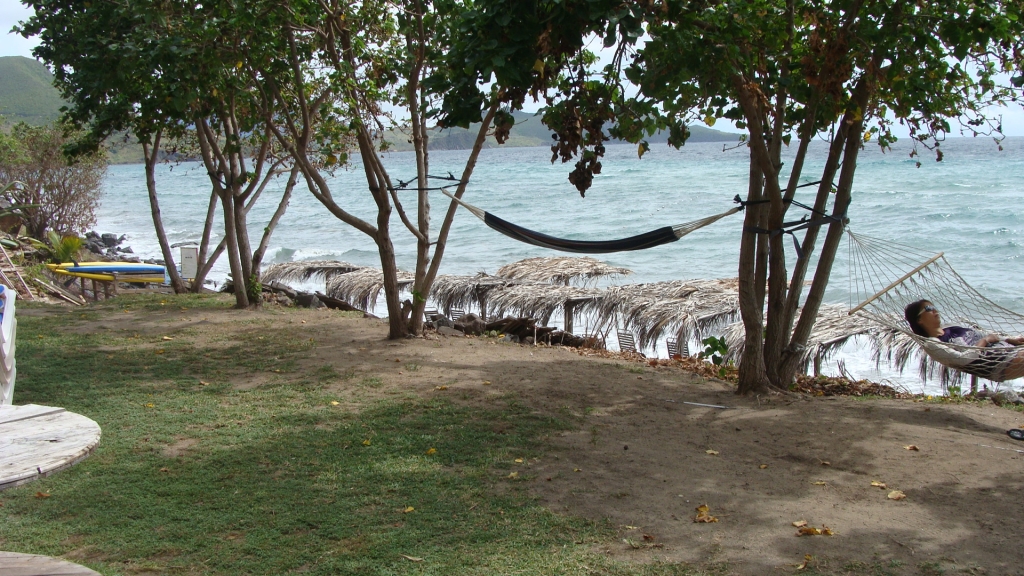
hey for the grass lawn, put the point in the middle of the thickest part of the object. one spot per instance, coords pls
(198, 475)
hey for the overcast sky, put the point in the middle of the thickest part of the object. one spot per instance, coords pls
(12, 11)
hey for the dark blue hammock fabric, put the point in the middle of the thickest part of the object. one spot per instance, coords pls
(639, 242)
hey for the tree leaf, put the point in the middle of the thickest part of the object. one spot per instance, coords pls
(703, 515)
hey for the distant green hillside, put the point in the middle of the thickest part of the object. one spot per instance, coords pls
(530, 131)
(26, 91)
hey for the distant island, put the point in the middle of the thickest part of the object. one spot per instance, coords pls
(27, 95)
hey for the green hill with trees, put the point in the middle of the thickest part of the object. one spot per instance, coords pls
(26, 91)
(530, 131)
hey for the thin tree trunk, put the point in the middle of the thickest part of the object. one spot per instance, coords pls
(204, 266)
(449, 217)
(151, 152)
(257, 256)
(791, 361)
(204, 269)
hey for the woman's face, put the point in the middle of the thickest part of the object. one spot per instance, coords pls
(928, 318)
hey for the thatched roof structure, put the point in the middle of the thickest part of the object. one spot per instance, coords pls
(561, 270)
(537, 300)
(679, 307)
(833, 328)
(306, 270)
(463, 291)
(362, 286)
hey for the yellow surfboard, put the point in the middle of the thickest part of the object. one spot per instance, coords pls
(136, 278)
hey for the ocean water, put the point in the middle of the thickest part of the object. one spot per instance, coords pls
(968, 206)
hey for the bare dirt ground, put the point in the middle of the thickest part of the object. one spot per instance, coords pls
(646, 455)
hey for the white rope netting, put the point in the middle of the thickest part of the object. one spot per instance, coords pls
(886, 277)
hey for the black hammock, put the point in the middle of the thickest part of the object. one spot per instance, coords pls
(643, 241)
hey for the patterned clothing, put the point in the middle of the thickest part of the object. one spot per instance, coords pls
(962, 336)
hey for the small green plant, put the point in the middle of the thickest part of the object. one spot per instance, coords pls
(254, 289)
(715, 350)
(954, 391)
(59, 249)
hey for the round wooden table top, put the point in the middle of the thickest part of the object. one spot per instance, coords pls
(36, 441)
(14, 564)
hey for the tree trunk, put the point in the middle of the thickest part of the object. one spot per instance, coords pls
(241, 298)
(205, 262)
(260, 252)
(241, 231)
(396, 319)
(752, 375)
(449, 217)
(150, 152)
(854, 122)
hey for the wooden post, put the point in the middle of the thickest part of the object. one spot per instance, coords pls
(84, 292)
(481, 299)
(569, 305)
(974, 384)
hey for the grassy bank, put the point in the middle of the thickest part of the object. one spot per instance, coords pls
(198, 473)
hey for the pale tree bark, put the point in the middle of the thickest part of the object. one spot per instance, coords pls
(424, 284)
(205, 263)
(151, 152)
(854, 121)
(238, 190)
(221, 177)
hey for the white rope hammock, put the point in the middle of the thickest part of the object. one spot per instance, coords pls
(886, 276)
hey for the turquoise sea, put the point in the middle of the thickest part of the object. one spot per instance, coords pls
(968, 206)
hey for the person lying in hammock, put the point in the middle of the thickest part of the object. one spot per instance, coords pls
(1001, 361)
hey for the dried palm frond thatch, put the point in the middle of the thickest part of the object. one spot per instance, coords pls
(898, 350)
(361, 287)
(463, 291)
(537, 300)
(560, 269)
(305, 270)
(680, 307)
(833, 328)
